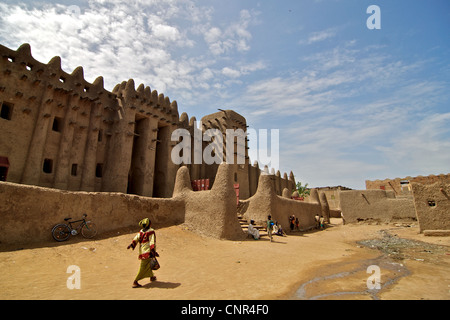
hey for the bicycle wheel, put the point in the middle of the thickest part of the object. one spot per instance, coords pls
(89, 230)
(61, 232)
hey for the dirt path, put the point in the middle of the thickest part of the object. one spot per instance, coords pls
(327, 264)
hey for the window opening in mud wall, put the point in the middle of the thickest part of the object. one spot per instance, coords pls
(48, 166)
(4, 166)
(74, 169)
(405, 186)
(6, 110)
(99, 170)
(3, 173)
(57, 124)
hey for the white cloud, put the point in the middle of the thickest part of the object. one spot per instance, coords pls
(424, 148)
(212, 35)
(158, 43)
(342, 73)
(243, 69)
(205, 75)
(231, 72)
(166, 32)
(235, 36)
(319, 36)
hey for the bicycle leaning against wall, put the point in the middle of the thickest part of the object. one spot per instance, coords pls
(62, 231)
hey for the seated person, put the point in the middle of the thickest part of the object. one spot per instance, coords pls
(252, 230)
(317, 218)
(278, 230)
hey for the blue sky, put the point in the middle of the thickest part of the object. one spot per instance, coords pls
(351, 104)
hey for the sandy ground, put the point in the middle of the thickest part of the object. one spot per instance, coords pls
(327, 264)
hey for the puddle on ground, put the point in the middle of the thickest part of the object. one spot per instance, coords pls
(352, 283)
(348, 280)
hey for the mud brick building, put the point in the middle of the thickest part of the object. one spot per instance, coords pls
(60, 131)
(403, 186)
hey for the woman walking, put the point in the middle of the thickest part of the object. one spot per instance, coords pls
(146, 238)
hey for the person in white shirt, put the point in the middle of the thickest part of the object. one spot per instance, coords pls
(253, 231)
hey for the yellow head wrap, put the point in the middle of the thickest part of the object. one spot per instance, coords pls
(144, 222)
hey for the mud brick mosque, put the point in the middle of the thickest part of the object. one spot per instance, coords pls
(60, 131)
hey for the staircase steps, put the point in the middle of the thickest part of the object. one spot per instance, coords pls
(244, 225)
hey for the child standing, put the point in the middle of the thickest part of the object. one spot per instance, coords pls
(269, 226)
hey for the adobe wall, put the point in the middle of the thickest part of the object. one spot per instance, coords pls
(213, 212)
(253, 174)
(333, 195)
(266, 202)
(402, 186)
(375, 205)
(326, 214)
(432, 205)
(28, 213)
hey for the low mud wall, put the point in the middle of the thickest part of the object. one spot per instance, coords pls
(432, 204)
(375, 205)
(213, 212)
(28, 213)
(266, 201)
